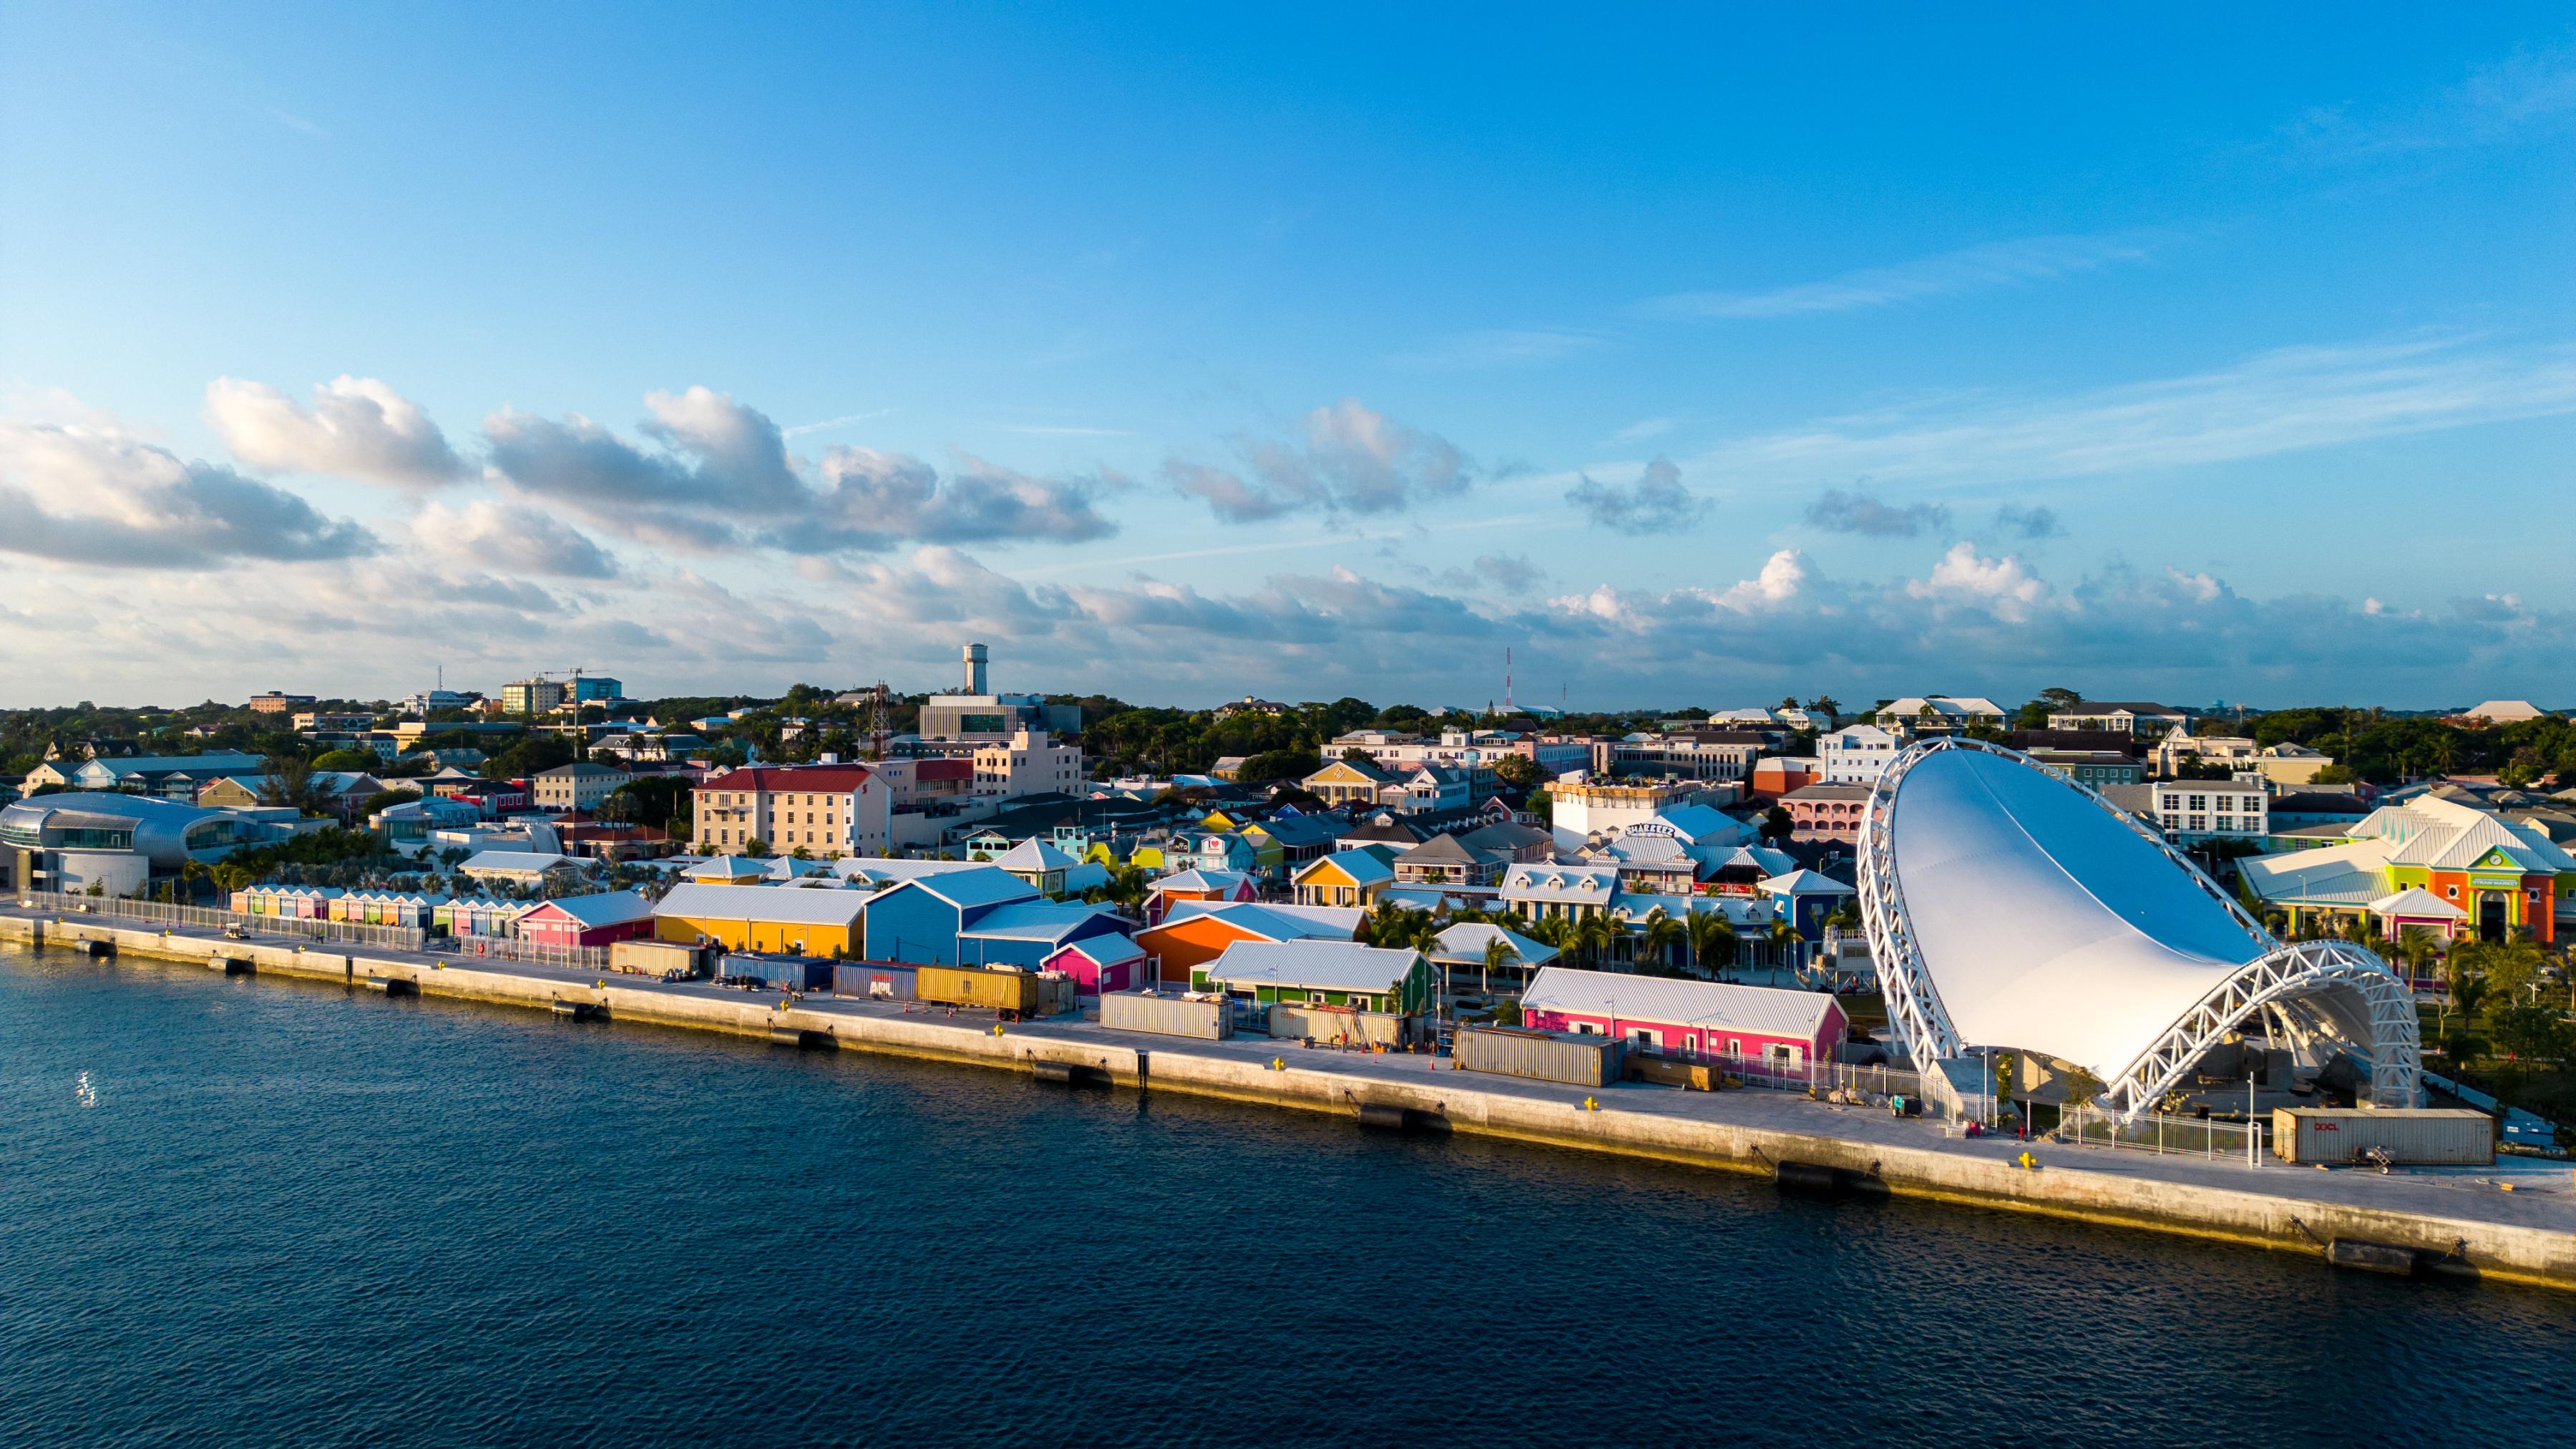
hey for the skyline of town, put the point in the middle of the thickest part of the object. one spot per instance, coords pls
(1206, 367)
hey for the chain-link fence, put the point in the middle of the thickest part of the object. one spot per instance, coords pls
(160, 913)
(2201, 1137)
(510, 948)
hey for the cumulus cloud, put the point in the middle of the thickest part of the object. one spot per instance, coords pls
(1995, 264)
(512, 537)
(721, 479)
(1656, 503)
(874, 499)
(1346, 458)
(2032, 524)
(1509, 573)
(1840, 512)
(356, 427)
(78, 493)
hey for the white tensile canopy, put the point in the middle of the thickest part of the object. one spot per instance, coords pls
(2008, 907)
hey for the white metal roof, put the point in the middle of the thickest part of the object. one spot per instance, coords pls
(1669, 1000)
(1467, 943)
(761, 903)
(1314, 965)
(2044, 921)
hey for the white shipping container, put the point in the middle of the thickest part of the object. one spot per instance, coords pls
(1210, 1019)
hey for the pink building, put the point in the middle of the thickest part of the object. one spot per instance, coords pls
(1827, 812)
(1783, 1029)
(593, 920)
(1097, 961)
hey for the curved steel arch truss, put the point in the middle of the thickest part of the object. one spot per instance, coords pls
(2315, 991)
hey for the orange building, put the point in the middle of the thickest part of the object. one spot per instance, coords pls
(1197, 932)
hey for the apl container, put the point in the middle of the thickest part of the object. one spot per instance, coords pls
(1540, 1056)
(1208, 1019)
(2426, 1136)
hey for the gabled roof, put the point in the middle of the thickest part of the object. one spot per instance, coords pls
(604, 908)
(970, 889)
(1106, 950)
(1032, 854)
(2354, 874)
(1202, 880)
(1669, 1001)
(1753, 857)
(1313, 965)
(1696, 823)
(762, 903)
(729, 867)
(1574, 884)
(1805, 883)
(1441, 849)
(1034, 921)
(1361, 867)
(1267, 921)
(1467, 943)
(2419, 902)
(1364, 770)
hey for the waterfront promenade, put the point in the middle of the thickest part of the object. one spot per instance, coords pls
(2527, 1233)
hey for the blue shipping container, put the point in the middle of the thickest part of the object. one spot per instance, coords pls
(784, 973)
(885, 980)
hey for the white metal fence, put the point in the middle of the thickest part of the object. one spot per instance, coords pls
(2239, 1142)
(511, 948)
(400, 938)
(1780, 1074)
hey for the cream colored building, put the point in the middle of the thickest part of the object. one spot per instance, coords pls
(1028, 763)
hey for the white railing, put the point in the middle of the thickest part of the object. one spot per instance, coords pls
(510, 948)
(2214, 1141)
(357, 933)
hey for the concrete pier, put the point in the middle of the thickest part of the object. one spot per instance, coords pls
(2514, 1222)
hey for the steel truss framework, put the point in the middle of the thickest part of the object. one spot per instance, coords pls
(2311, 991)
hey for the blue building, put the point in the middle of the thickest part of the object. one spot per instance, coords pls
(1025, 933)
(920, 920)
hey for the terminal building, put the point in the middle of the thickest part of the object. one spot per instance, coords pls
(979, 716)
(2013, 910)
(117, 842)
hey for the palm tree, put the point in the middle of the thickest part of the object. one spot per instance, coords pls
(1499, 953)
(1661, 936)
(1782, 935)
(1554, 931)
(1593, 936)
(1712, 941)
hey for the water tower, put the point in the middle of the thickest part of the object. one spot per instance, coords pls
(976, 658)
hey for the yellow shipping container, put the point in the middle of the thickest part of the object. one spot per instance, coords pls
(978, 986)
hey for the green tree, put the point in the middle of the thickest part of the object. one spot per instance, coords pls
(1661, 938)
(1499, 953)
(1712, 941)
(2529, 1033)
(755, 846)
(1517, 772)
(1778, 825)
(358, 761)
(288, 780)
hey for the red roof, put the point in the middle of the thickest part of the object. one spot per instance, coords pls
(838, 779)
(944, 769)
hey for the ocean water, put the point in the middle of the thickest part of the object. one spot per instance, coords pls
(241, 1212)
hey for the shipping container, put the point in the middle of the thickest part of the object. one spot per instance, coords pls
(782, 973)
(656, 958)
(1338, 1024)
(1210, 1018)
(875, 980)
(1541, 1056)
(2429, 1136)
(1015, 991)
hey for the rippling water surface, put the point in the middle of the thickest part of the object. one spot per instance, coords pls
(237, 1212)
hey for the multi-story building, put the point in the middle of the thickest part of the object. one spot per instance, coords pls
(1857, 755)
(531, 696)
(2197, 810)
(578, 786)
(979, 715)
(2128, 717)
(596, 689)
(428, 701)
(1827, 811)
(312, 720)
(1595, 810)
(1938, 714)
(1028, 763)
(275, 702)
(1694, 754)
(2096, 769)
(824, 810)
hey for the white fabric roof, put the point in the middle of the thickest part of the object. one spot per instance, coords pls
(2044, 921)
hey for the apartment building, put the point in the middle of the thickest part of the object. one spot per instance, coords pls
(824, 810)
(1028, 763)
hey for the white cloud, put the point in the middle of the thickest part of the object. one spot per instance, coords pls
(1500, 347)
(1657, 503)
(2277, 402)
(512, 537)
(357, 427)
(1349, 458)
(1995, 264)
(79, 493)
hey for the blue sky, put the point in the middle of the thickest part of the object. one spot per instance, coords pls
(1695, 358)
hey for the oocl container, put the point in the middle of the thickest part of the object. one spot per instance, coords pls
(1207, 1019)
(2426, 1136)
(1541, 1056)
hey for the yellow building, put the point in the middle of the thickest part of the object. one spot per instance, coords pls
(805, 920)
(1348, 878)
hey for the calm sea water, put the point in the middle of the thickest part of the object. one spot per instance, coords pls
(257, 1213)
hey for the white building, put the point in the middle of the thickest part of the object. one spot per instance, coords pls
(2196, 810)
(1916, 714)
(1857, 754)
(1028, 763)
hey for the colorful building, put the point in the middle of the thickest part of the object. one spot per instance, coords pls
(1195, 932)
(2504, 877)
(808, 921)
(1344, 878)
(592, 920)
(1099, 963)
(1675, 1017)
